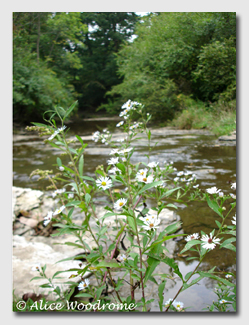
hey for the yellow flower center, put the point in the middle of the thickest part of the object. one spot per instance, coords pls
(103, 183)
(121, 203)
(141, 173)
(151, 225)
(145, 179)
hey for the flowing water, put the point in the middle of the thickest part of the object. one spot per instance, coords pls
(212, 161)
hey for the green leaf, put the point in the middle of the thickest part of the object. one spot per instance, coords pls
(173, 228)
(218, 224)
(173, 265)
(88, 178)
(131, 223)
(190, 244)
(227, 241)
(215, 277)
(84, 294)
(121, 167)
(108, 214)
(42, 125)
(81, 164)
(157, 242)
(87, 198)
(99, 291)
(160, 294)
(214, 206)
(59, 163)
(152, 264)
(80, 140)
(148, 186)
(108, 264)
(70, 109)
(169, 192)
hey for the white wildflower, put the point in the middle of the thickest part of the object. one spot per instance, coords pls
(208, 242)
(120, 123)
(104, 182)
(83, 284)
(213, 190)
(113, 161)
(119, 204)
(178, 305)
(191, 237)
(145, 179)
(36, 267)
(153, 164)
(48, 218)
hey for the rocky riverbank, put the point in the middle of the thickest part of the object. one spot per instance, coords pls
(33, 243)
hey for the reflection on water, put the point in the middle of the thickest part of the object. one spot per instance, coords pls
(213, 163)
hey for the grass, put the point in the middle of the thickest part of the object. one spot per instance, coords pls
(219, 118)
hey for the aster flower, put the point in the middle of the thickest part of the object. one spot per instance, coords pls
(128, 105)
(58, 211)
(213, 190)
(123, 151)
(228, 276)
(104, 182)
(120, 123)
(145, 179)
(178, 305)
(113, 170)
(83, 284)
(191, 237)
(113, 161)
(153, 164)
(209, 242)
(233, 186)
(223, 301)
(150, 224)
(142, 172)
(61, 168)
(57, 132)
(114, 151)
(96, 136)
(180, 173)
(124, 113)
(221, 194)
(120, 204)
(36, 267)
(121, 258)
(150, 218)
(234, 220)
(62, 128)
(233, 196)
(176, 179)
(70, 196)
(167, 303)
(48, 218)
(195, 186)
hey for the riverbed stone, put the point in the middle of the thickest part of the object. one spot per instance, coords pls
(30, 249)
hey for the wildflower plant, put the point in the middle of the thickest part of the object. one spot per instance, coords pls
(126, 187)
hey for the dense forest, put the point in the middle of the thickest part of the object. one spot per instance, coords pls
(102, 59)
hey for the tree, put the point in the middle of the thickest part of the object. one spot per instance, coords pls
(171, 55)
(107, 31)
(44, 51)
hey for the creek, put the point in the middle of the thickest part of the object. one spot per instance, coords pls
(212, 161)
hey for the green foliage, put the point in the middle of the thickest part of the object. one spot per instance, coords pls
(216, 70)
(177, 55)
(103, 240)
(37, 84)
(219, 118)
